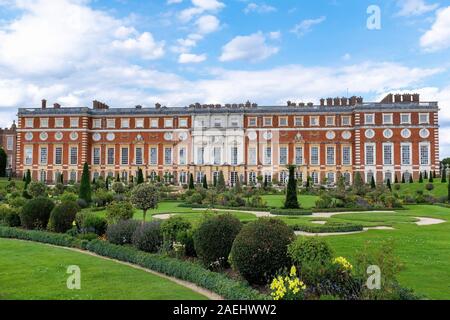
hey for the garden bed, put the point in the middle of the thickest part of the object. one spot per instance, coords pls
(291, 212)
(329, 227)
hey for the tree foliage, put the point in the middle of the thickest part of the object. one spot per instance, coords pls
(85, 185)
(144, 197)
(291, 192)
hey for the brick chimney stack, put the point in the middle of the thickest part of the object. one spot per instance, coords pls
(44, 104)
(416, 98)
(337, 102)
(56, 106)
(344, 101)
(398, 98)
(389, 99)
(158, 106)
(329, 102)
(322, 102)
(353, 101)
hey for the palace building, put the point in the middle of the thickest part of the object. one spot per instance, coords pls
(338, 137)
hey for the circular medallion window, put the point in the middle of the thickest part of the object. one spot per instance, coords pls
(110, 136)
(424, 133)
(252, 135)
(74, 136)
(267, 135)
(183, 136)
(168, 136)
(406, 133)
(388, 133)
(29, 136)
(346, 135)
(370, 134)
(331, 135)
(43, 136)
(97, 136)
(58, 136)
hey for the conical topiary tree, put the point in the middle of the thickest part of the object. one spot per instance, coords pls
(444, 175)
(215, 181)
(431, 180)
(373, 185)
(291, 191)
(85, 185)
(425, 175)
(358, 184)
(117, 178)
(3, 162)
(434, 174)
(411, 179)
(448, 192)
(191, 182)
(396, 179)
(403, 178)
(221, 182)
(140, 176)
(204, 182)
(388, 184)
(27, 179)
(420, 178)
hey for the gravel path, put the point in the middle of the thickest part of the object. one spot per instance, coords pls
(309, 234)
(428, 221)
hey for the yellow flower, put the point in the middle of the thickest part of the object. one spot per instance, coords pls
(343, 263)
(293, 271)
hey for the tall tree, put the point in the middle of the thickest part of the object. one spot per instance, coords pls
(420, 177)
(61, 177)
(144, 197)
(388, 184)
(291, 192)
(373, 185)
(431, 180)
(444, 175)
(140, 176)
(215, 181)
(425, 175)
(117, 177)
(3, 160)
(191, 182)
(411, 179)
(204, 182)
(221, 182)
(396, 179)
(403, 178)
(358, 184)
(85, 185)
(27, 179)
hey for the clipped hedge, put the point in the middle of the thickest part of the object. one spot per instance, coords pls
(291, 212)
(204, 206)
(217, 282)
(329, 227)
(357, 209)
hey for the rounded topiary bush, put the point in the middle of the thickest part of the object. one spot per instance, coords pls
(122, 232)
(88, 222)
(119, 210)
(36, 212)
(62, 216)
(9, 216)
(148, 237)
(260, 249)
(309, 251)
(214, 238)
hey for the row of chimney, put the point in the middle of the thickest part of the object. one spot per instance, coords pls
(248, 104)
(401, 98)
(55, 105)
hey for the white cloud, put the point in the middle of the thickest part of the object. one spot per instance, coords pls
(207, 24)
(275, 35)
(174, 1)
(144, 46)
(346, 57)
(191, 58)
(199, 7)
(251, 48)
(438, 37)
(305, 26)
(415, 7)
(259, 8)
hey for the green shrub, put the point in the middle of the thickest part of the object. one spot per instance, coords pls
(308, 251)
(118, 187)
(117, 211)
(429, 186)
(68, 196)
(87, 236)
(122, 232)
(102, 197)
(36, 212)
(37, 189)
(88, 222)
(214, 238)
(9, 216)
(63, 216)
(172, 226)
(290, 212)
(186, 238)
(82, 203)
(329, 227)
(260, 249)
(148, 237)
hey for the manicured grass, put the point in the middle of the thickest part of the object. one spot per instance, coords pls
(424, 250)
(277, 200)
(36, 271)
(410, 189)
(4, 182)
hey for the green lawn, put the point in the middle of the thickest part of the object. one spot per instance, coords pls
(4, 182)
(33, 271)
(277, 200)
(440, 189)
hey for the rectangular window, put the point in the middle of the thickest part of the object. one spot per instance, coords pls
(314, 156)
(168, 123)
(299, 121)
(125, 123)
(139, 123)
(96, 156)
(268, 177)
(234, 122)
(44, 155)
(73, 176)
(183, 123)
(330, 155)
(111, 123)
(73, 155)
(138, 156)
(44, 122)
(234, 156)
(183, 177)
(10, 143)
(346, 121)
(370, 154)
(124, 156)
(424, 118)
(283, 121)
(268, 155)
(58, 155)
(387, 118)
(387, 154)
(182, 159)
(424, 154)
(314, 121)
(252, 156)
(97, 123)
(252, 177)
(369, 118)
(331, 178)
(153, 156)
(111, 157)
(267, 121)
(74, 122)
(59, 123)
(154, 123)
(330, 120)
(346, 155)
(298, 155)
(217, 155)
(283, 155)
(167, 156)
(406, 154)
(252, 122)
(200, 155)
(217, 123)
(29, 123)
(28, 156)
(405, 118)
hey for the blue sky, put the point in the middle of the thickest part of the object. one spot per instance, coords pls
(177, 52)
